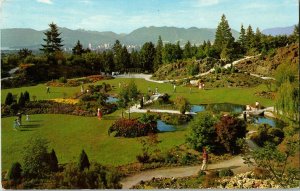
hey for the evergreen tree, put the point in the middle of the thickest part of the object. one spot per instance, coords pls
(24, 52)
(53, 162)
(147, 54)
(52, 40)
(158, 54)
(9, 99)
(135, 59)
(26, 97)
(250, 38)
(83, 161)
(295, 35)
(78, 50)
(223, 37)
(178, 51)
(117, 51)
(187, 51)
(21, 101)
(15, 172)
(125, 58)
(242, 39)
(108, 61)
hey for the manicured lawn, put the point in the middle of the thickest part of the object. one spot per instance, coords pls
(219, 95)
(68, 135)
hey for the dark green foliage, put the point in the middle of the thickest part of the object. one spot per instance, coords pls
(202, 132)
(21, 101)
(83, 161)
(229, 129)
(158, 54)
(175, 119)
(117, 53)
(193, 69)
(147, 55)
(266, 133)
(26, 96)
(141, 103)
(78, 50)
(226, 172)
(128, 94)
(187, 51)
(143, 158)
(62, 80)
(15, 172)
(35, 159)
(182, 104)
(9, 99)
(53, 162)
(52, 40)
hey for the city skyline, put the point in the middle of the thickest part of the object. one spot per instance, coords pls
(125, 16)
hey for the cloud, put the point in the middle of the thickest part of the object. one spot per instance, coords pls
(45, 1)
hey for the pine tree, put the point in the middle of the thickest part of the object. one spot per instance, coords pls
(242, 39)
(178, 51)
(135, 59)
(78, 50)
(258, 39)
(117, 51)
(9, 99)
(223, 37)
(249, 38)
(53, 162)
(21, 101)
(83, 161)
(158, 54)
(52, 40)
(147, 54)
(187, 51)
(125, 58)
(26, 97)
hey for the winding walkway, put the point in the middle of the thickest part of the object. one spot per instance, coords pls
(236, 164)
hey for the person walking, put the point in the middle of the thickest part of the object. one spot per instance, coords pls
(205, 159)
(16, 124)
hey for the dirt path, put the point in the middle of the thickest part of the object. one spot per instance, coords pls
(236, 164)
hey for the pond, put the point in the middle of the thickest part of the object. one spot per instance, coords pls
(235, 108)
(111, 99)
(163, 127)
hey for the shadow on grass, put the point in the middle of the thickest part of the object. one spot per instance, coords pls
(24, 130)
(31, 126)
(230, 167)
(35, 121)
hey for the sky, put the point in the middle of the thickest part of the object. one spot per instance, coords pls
(124, 16)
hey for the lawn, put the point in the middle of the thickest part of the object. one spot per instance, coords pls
(68, 135)
(218, 95)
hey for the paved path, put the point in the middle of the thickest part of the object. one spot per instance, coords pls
(134, 109)
(236, 164)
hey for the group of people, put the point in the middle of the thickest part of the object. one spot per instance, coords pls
(18, 121)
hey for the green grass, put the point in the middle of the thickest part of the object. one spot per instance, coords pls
(68, 135)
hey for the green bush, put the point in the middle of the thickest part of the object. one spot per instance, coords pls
(15, 172)
(62, 80)
(9, 99)
(83, 161)
(182, 104)
(225, 172)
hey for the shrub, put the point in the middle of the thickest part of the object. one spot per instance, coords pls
(83, 161)
(132, 128)
(9, 99)
(202, 132)
(266, 133)
(210, 179)
(225, 172)
(15, 172)
(62, 80)
(182, 104)
(21, 101)
(143, 158)
(229, 129)
(193, 69)
(53, 162)
(26, 97)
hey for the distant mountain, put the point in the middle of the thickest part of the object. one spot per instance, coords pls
(279, 31)
(30, 38)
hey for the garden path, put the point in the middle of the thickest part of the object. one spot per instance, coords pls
(236, 164)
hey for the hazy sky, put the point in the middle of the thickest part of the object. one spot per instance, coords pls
(123, 16)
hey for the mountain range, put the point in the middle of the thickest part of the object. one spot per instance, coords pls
(16, 38)
(279, 31)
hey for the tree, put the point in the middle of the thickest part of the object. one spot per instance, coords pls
(21, 101)
(108, 61)
(15, 172)
(242, 39)
(135, 59)
(177, 51)
(187, 51)
(275, 161)
(24, 52)
(52, 40)
(125, 57)
(229, 129)
(9, 99)
(83, 161)
(182, 104)
(286, 72)
(158, 54)
(117, 51)
(223, 37)
(53, 162)
(147, 54)
(35, 158)
(202, 132)
(78, 50)
(26, 96)
(250, 38)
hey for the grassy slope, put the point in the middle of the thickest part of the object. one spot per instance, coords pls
(70, 134)
(218, 95)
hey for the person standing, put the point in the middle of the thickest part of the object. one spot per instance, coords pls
(257, 105)
(245, 116)
(174, 87)
(16, 124)
(48, 90)
(99, 114)
(205, 159)
(156, 90)
(27, 117)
